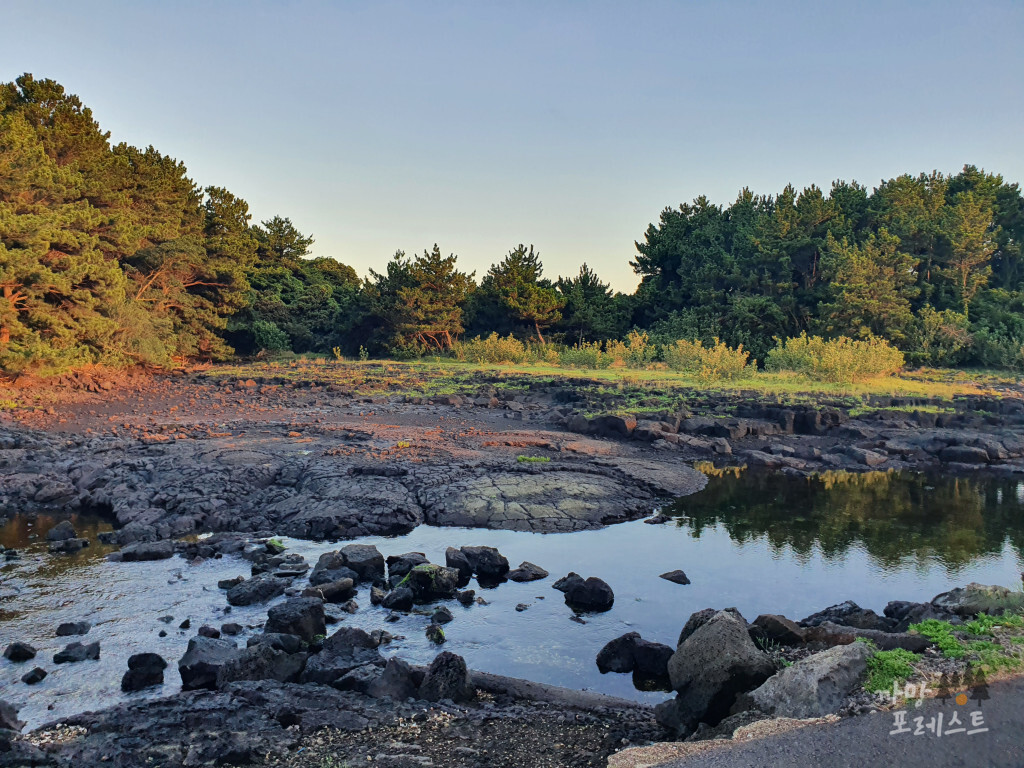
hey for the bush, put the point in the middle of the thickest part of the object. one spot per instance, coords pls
(585, 355)
(837, 360)
(939, 338)
(885, 668)
(493, 349)
(711, 363)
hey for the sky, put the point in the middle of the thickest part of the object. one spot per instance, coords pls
(384, 126)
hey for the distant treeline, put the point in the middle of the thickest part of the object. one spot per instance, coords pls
(111, 254)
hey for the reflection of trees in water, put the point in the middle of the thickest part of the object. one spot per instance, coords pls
(28, 536)
(896, 518)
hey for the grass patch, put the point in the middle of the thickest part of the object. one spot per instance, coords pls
(532, 459)
(886, 668)
(941, 633)
(984, 624)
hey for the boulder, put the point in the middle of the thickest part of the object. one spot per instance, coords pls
(849, 614)
(75, 652)
(593, 594)
(815, 686)
(258, 589)
(487, 562)
(712, 666)
(441, 616)
(400, 599)
(527, 571)
(969, 601)
(207, 631)
(261, 661)
(35, 675)
(435, 634)
(342, 652)
(203, 661)
(570, 581)
(9, 717)
(631, 653)
(285, 643)
(830, 634)
(144, 670)
(332, 592)
(68, 546)
(698, 619)
(19, 651)
(397, 682)
(676, 577)
(964, 454)
(447, 677)
(62, 531)
(431, 582)
(73, 628)
(331, 567)
(906, 613)
(456, 558)
(300, 616)
(400, 565)
(147, 550)
(617, 654)
(365, 560)
(651, 659)
(772, 628)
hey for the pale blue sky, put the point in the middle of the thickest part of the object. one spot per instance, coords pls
(379, 126)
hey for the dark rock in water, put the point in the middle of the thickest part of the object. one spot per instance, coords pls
(285, 643)
(849, 614)
(617, 654)
(147, 550)
(350, 606)
(365, 560)
(520, 607)
(331, 567)
(258, 589)
(62, 531)
(36, 675)
(377, 595)
(301, 616)
(466, 597)
(441, 616)
(566, 583)
(144, 670)
(447, 677)
(432, 582)
(698, 619)
(9, 717)
(435, 634)
(590, 595)
(207, 631)
(487, 562)
(676, 577)
(456, 558)
(186, 624)
(68, 546)
(342, 652)
(400, 565)
(397, 682)
(400, 599)
(631, 653)
(332, 592)
(75, 652)
(203, 660)
(771, 628)
(262, 661)
(527, 572)
(229, 583)
(230, 628)
(19, 651)
(712, 666)
(656, 519)
(73, 628)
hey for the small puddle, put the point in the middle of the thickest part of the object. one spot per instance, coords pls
(761, 543)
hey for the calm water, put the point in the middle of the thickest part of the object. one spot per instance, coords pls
(765, 544)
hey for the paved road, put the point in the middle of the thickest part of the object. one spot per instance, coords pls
(866, 741)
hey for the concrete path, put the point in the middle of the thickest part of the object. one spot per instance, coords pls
(866, 740)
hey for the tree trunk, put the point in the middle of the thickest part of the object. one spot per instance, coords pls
(536, 326)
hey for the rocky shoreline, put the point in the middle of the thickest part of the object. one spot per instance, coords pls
(296, 689)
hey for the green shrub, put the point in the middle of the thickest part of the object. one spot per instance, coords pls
(532, 459)
(711, 363)
(837, 360)
(585, 355)
(886, 668)
(493, 349)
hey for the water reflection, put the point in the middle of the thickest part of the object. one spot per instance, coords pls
(898, 519)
